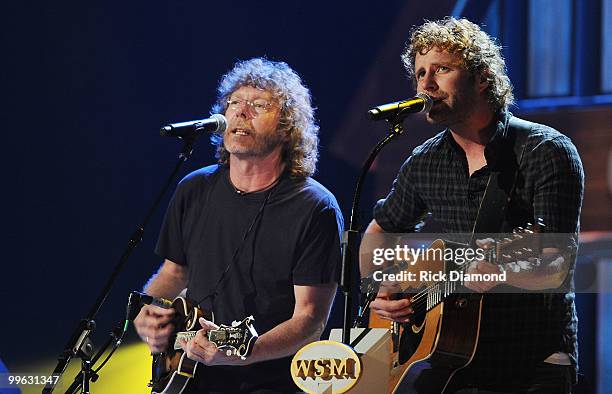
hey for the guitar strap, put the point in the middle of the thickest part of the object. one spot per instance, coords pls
(502, 178)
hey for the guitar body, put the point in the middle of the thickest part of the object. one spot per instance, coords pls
(446, 343)
(172, 370)
(429, 350)
(178, 371)
(442, 334)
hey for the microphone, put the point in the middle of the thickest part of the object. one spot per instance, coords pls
(150, 300)
(419, 103)
(215, 124)
(137, 299)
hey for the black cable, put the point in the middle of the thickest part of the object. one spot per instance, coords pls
(115, 347)
(234, 259)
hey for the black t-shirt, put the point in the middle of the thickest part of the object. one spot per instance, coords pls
(268, 242)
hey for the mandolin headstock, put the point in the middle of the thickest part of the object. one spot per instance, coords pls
(237, 339)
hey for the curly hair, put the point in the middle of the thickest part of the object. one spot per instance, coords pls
(297, 122)
(480, 54)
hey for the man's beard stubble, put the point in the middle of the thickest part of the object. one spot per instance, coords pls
(259, 146)
(464, 104)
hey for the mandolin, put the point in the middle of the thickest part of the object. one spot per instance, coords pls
(172, 370)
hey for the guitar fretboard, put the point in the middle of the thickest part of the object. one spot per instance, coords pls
(185, 336)
(434, 294)
(218, 337)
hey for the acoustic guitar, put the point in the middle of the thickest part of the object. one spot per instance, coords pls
(442, 334)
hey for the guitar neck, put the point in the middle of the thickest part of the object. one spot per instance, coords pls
(435, 293)
(183, 336)
(213, 336)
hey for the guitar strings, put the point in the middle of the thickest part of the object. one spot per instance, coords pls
(423, 297)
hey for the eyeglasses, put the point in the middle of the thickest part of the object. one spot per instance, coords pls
(260, 106)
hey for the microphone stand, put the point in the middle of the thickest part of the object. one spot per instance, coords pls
(87, 374)
(79, 344)
(350, 238)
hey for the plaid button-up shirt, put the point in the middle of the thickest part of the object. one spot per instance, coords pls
(517, 330)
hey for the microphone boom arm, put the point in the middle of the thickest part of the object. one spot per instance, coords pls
(350, 238)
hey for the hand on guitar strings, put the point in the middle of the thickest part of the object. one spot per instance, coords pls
(526, 267)
(200, 349)
(386, 308)
(153, 325)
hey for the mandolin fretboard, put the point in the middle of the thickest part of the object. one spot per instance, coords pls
(185, 336)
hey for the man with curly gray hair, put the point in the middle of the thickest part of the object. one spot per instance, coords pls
(296, 127)
(488, 172)
(251, 235)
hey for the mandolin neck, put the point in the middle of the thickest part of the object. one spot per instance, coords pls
(213, 336)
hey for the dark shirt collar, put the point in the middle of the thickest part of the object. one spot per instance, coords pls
(500, 146)
(496, 148)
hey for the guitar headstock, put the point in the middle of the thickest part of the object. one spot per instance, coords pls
(522, 244)
(237, 339)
